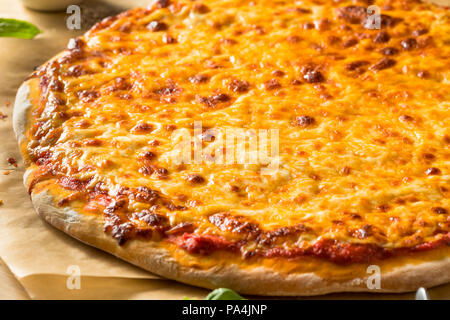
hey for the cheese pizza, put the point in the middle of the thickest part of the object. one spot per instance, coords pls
(354, 97)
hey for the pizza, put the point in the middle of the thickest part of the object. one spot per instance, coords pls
(349, 100)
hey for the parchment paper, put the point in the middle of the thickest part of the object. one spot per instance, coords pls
(36, 253)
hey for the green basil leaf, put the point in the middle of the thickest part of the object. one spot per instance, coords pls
(17, 29)
(223, 294)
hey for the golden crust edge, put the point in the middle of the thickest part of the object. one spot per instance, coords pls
(255, 281)
(21, 106)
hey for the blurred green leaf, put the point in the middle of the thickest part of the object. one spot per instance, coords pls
(224, 294)
(17, 29)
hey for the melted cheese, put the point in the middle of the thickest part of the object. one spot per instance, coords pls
(358, 173)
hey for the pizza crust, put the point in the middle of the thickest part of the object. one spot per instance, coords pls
(21, 106)
(257, 281)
